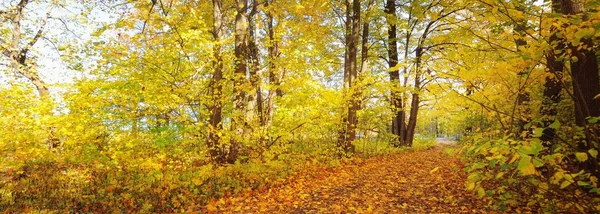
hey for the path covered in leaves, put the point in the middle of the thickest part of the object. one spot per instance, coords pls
(426, 181)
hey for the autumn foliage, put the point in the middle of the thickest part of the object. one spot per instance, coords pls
(378, 106)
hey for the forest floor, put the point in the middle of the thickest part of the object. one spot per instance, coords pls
(426, 181)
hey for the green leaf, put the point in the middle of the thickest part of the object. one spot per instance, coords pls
(583, 183)
(554, 125)
(478, 165)
(538, 162)
(525, 166)
(473, 177)
(581, 156)
(593, 153)
(533, 148)
(538, 132)
(584, 33)
(480, 192)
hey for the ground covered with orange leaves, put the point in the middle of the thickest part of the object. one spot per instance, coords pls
(427, 181)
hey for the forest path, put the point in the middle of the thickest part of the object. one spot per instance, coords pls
(426, 181)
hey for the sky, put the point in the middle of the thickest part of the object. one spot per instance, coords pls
(70, 25)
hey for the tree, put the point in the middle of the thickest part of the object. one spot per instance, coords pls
(348, 134)
(585, 80)
(215, 121)
(272, 55)
(239, 78)
(426, 20)
(552, 84)
(17, 50)
(255, 99)
(398, 123)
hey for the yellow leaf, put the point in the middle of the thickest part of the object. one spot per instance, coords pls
(211, 207)
(581, 156)
(525, 165)
(434, 170)
(565, 184)
(470, 185)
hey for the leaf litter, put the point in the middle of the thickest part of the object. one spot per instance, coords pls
(426, 181)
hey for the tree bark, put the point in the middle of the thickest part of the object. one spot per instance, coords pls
(273, 53)
(414, 105)
(352, 77)
(586, 84)
(398, 125)
(239, 78)
(347, 32)
(552, 84)
(255, 101)
(523, 97)
(364, 59)
(213, 141)
(349, 135)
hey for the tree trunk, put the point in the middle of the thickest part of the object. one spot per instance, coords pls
(350, 131)
(414, 109)
(255, 97)
(364, 61)
(398, 126)
(586, 84)
(239, 78)
(213, 141)
(347, 32)
(552, 85)
(584, 73)
(352, 77)
(552, 89)
(273, 53)
(523, 96)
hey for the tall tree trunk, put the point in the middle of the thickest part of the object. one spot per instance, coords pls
(364, 56)
(584, 73)
(255, 102)
(352, 77)
(213, 141)
(397, 105)
(273, 53)
(239, 78)
(552, 84)
(520, 27)
(414, 104)
(586, 85)
(350, 131)
(347, 32)
(552, 89)
(415, 100)
(364, 59)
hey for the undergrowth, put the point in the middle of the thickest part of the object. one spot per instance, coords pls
(156, 181)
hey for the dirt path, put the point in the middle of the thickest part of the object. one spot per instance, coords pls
(411, 182)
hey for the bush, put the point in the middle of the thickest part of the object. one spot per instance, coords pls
(524, 175)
